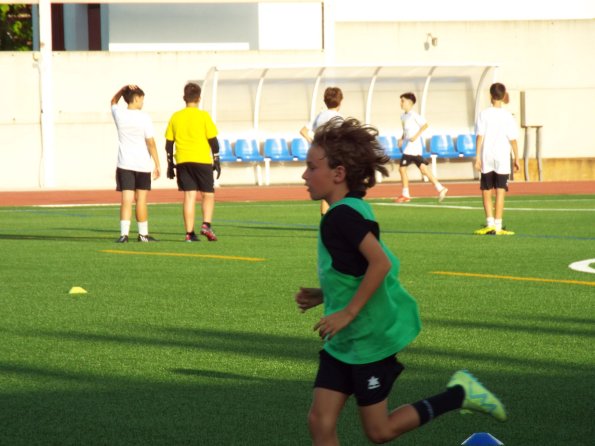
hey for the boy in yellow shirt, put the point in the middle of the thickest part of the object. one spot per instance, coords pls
(194, 135)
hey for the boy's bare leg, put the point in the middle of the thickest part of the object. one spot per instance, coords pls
(487, 203)
(404, 177)
(500, 194)
(427, 172)
(324, 413)
(142, 213)
(208, 206)
(189, 203)
(381, 426)
(126, 205)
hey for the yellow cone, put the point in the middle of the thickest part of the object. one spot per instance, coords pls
(77, 290)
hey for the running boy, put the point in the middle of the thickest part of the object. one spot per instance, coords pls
(368, 316)
(333, 96)
(413, 149)
(136, 149)
(194, 136)
(496, 135)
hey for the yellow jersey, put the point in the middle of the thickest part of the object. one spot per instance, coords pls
(190, 129)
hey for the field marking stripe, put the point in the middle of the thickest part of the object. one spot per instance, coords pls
(179, 254)
(473, 208)
(526, 279)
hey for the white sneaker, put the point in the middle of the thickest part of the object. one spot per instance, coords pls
(442, 194)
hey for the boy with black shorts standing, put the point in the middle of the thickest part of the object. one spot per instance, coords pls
(413, 149)
(368, 316)
(497, 133)
(194, 135)
(136, 149)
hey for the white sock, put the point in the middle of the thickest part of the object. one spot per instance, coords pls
(124, 227)
(439, 186)
(498, 224)
(406, 192)
(490, 222)
(143, 227)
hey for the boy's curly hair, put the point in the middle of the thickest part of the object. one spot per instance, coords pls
(355, 146)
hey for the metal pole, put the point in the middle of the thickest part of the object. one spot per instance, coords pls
(526, 152)
(538, 150)
(46, 96)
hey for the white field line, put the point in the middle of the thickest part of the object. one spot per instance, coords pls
(474, 208)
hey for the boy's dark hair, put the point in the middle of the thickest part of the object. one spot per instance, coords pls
(409, 96)
(191, 92)
(130, 93)
(497, 91)
(333, 97)
(355, 146)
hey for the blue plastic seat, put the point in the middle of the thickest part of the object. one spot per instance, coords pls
(247, 150)
(277, 150)
(443, 147)
(466, 146)
(225, 151)
(390, 146)
(299, 148)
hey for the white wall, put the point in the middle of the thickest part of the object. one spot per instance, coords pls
(550, 59)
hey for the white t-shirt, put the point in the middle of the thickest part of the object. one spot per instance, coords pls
(324, 117)
(498, 128)
(412, 122)
(134, 127)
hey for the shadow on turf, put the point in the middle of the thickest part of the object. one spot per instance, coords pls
(77, 407)
(245, 343)
(587, 331)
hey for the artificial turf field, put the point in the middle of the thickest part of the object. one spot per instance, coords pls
(201, 343)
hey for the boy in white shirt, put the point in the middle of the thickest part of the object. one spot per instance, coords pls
(136, 149)
(411, 142)
(333, 96)
(497, 133)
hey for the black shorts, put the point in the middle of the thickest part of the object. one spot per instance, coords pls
(369, 383)
(493, 180)
(418, 160)
(132, 180)
(195, 176)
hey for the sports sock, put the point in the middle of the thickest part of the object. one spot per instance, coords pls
(406, 192)
(124, 227)
(439, 186)
(190, 233)
(208, 225)
(143, 227)
(498, 224)
(437, 405)
(490, 222)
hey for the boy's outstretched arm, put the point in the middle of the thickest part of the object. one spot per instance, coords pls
(307, 298)
(378, 267)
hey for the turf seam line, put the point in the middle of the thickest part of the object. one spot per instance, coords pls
(525, 279)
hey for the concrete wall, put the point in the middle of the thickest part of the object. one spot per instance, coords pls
(550, 60)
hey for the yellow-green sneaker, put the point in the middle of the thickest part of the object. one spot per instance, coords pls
(477, 397)
(486, 230)
(503, 231)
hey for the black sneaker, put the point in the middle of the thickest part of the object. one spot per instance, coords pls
(146, 238)
(192, 237)
(122, 239)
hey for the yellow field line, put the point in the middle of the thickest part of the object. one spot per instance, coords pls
(179, 254)
(526, 279)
